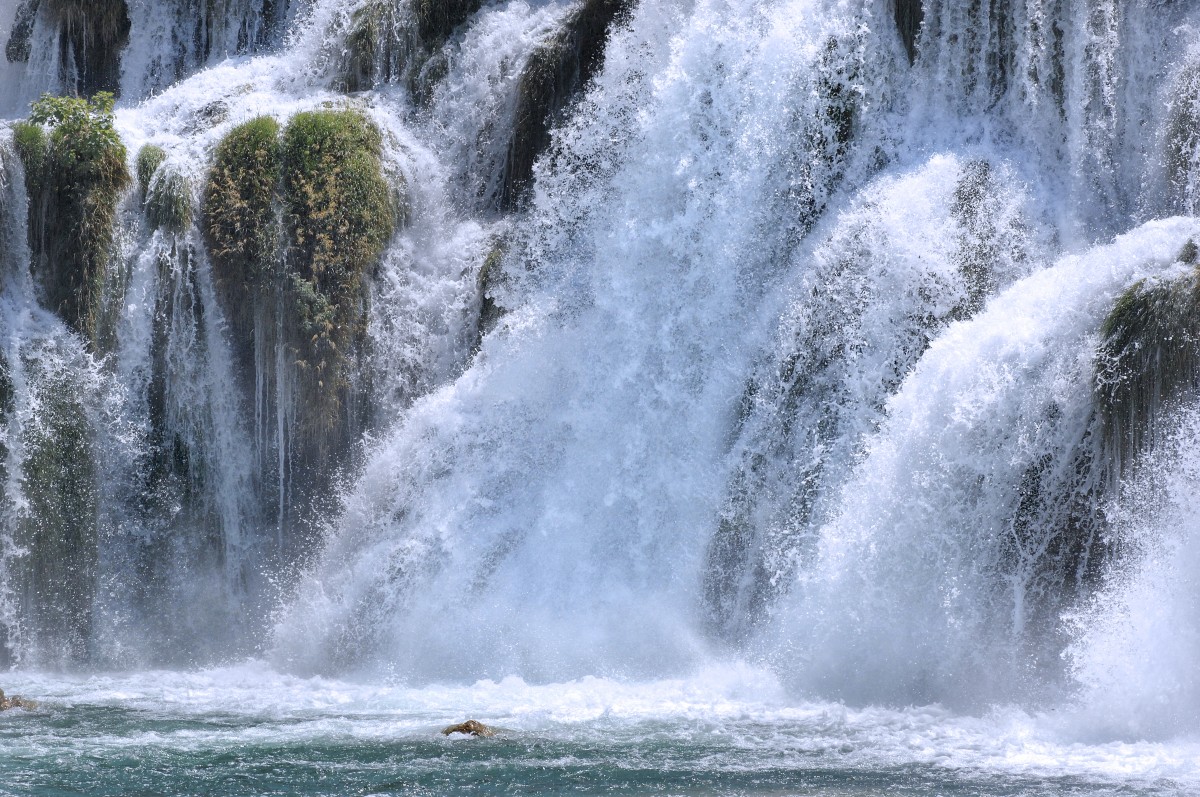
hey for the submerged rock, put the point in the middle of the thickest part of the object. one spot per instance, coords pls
(470, 728)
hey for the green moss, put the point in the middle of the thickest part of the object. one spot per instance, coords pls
(169, 202)
(58, 521)
(1149, 357)
(240, 219)
(149, 159)
(339, 214)
(30, 142)
(489, 273)
(75, 175)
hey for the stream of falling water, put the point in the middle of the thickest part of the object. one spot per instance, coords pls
(736, 411)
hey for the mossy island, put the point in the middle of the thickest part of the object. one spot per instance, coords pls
(75, 174)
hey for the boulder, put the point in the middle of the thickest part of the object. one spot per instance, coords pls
(469, 728)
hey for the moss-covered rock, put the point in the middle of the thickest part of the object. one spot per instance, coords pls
(149, 158)
(75, 172)
(169, 202)
(339, 214)
(58, 521)
(239, 211)
(438, 19)
(373, 54)
(1149, 358)
(554, 76)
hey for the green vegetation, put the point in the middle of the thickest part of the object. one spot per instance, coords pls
(75, 172)
(339, 214)
(1149, 356)
(169, 202)
(169, 199)
(58, 522)
(240, 219)
(149, 159)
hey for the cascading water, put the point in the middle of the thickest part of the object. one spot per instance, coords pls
(819, 349)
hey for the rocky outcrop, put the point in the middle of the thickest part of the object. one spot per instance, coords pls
(75, 174)
(92, 34)
(1149, 358)
(295, 224)
(16, 701)
(556, 73)
(909, 15)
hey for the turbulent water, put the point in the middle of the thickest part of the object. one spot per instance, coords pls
(755, 397)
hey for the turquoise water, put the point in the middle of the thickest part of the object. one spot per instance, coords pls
(248, 731)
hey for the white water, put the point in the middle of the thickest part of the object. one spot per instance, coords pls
(752, 398)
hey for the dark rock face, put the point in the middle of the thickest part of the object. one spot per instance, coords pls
(909, 16)
(556, 73)
(1149, 358)
(94, 34)
(20, 40)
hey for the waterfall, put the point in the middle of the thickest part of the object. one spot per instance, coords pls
(456, 340)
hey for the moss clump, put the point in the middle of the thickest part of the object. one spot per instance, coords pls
(240, 219)
(339, 214)
(149, 159)
(75, 172)
(554, 76)
(1149, 357)
(169, 202)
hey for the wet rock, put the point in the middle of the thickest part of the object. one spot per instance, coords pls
(20, 44)
(470, 728)
(909, 15)
(557, 71)
(16, 701)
